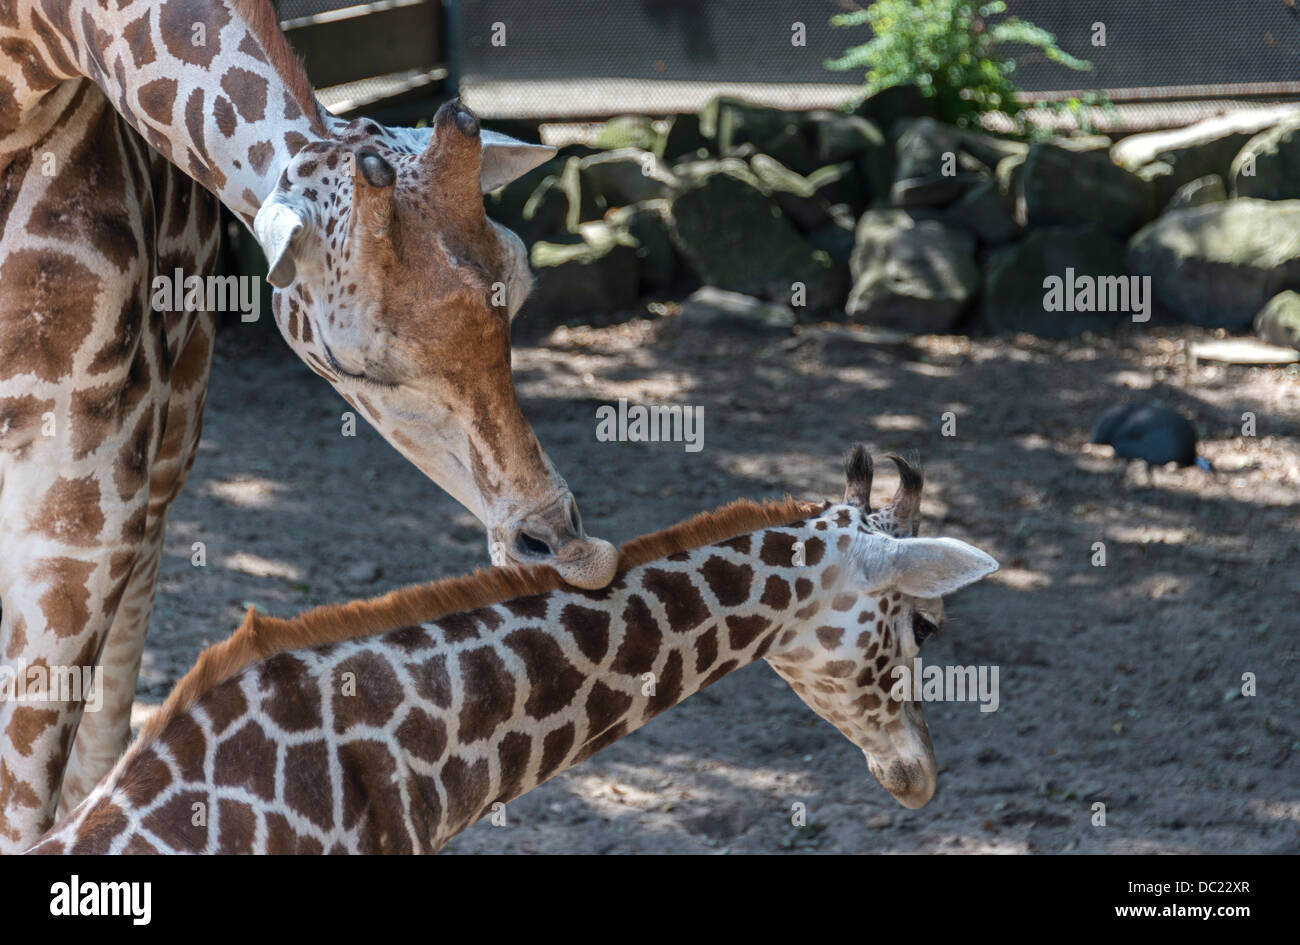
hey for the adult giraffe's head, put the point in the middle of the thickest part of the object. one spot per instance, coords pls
(880, 597)
(393, 285)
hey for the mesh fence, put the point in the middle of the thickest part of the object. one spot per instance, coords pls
(597, 57)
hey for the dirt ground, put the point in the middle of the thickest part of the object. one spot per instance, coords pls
(1119, 684)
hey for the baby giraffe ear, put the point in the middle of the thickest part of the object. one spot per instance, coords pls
(505, 159)
(277, 226)
(924, 567)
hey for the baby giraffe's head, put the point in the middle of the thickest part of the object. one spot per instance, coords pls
(873, 594)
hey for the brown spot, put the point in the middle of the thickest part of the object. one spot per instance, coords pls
(641, 639)
(101, 825)
(178, 21)
(843, 602)
(513, 754)
(706, 649)
(138, 40)
(289, 694)
(131, 469)
(247, 759)
(307, 782)
(489, 694)
(830, 637)
(224, 113)
(552, 679)
(776, 593)
(829, 577)
(173, 822)
(605, 707)
(69, 512)
(65, 603)
(21, 419)
(27, 724)
(555, 748)
(742, 631)
(145, 778)
(802, 588)
(839, 668)
(467, 786)
(813, 550)
(729, 582)
(432, 682)
(682, 602)
(158, 98)
(186, 743)
(238, 826)
(423, 736)
(668, 687)
(372, 800)
(248, 92)
(718, 673)
(259, 156)
(777, 549)
(589, 629)
(364, 691)
(224, 704)
(46, 312)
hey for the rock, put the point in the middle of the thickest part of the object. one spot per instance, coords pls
(647, 224)
(593, 278)
(835, 237)
(1199, 192)
(991, 150)
(986, 212)
(627, 175)
(841, 184)
(915, 275)
(1060, 187)
(362, 572)
(710, 308)
(682, 139)
(839, 137)
(1276, 159)
(1278, 322)
(888, 106)
(735, 237)
(930, 170)
(627, 131)
(793, 193)
(732, 122)
(1206, 147)
(1014, 291)
(1218, 264)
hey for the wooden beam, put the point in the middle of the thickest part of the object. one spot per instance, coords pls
(370, 39)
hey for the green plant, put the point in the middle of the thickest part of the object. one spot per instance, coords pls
(950, 50)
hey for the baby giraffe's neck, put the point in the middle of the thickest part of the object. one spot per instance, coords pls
(398, 742)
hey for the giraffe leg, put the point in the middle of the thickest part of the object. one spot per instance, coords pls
(103, 735)
(60, 590)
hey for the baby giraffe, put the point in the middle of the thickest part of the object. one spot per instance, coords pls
(391, 725)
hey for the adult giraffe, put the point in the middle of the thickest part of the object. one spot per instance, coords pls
(391, 284)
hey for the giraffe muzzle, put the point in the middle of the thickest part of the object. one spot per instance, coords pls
(554, 535)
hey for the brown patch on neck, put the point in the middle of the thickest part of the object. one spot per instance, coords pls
(259, 636)
(263, 23)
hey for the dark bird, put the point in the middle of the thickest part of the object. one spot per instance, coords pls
(1151, 433)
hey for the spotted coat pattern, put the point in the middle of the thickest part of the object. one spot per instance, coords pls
(397, 742)
(102, 106)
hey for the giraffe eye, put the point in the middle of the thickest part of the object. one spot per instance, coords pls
(922, 628)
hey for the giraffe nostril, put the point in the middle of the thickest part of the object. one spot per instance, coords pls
(531, 546)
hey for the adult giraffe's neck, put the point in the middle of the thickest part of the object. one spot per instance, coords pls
(211, 84)
(560, 677)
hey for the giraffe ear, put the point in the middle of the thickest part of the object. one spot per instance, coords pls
(924, 567)
(277, 225)
(506, 158)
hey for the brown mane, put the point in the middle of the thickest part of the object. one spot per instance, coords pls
(261, 636)
(264, 24)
